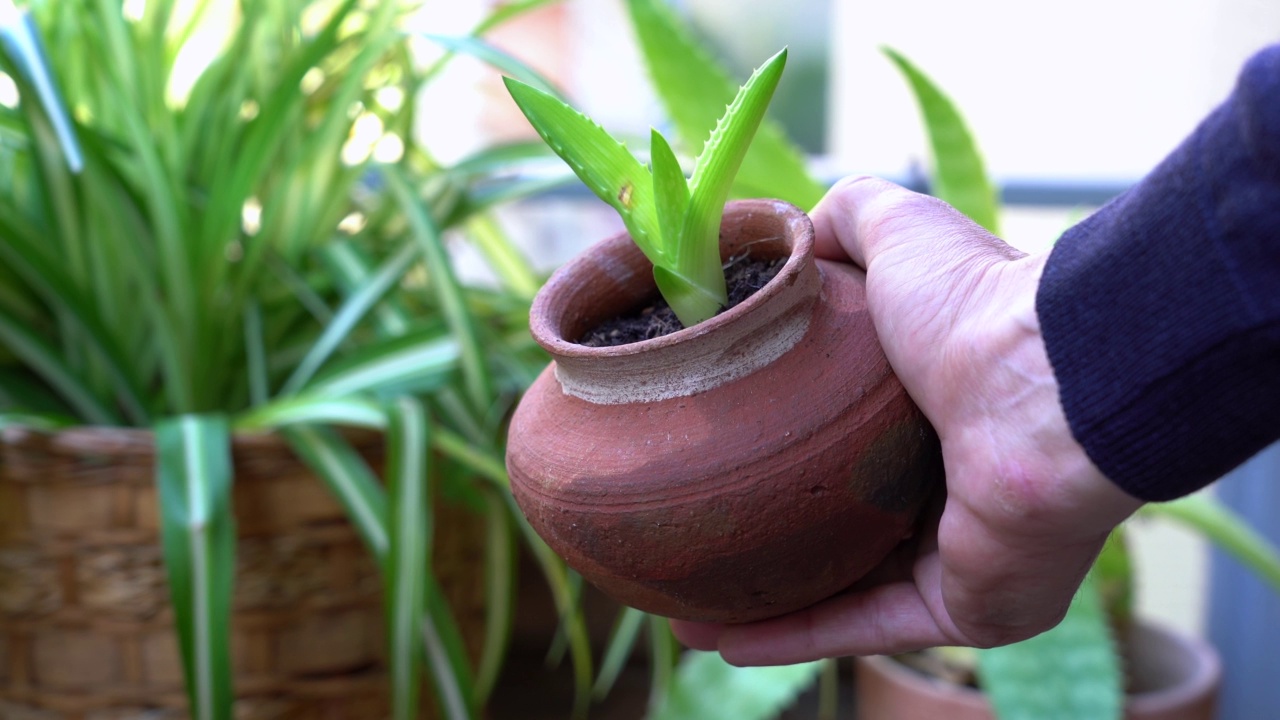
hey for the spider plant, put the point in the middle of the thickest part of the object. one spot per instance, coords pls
(675, 221)
(250, 240)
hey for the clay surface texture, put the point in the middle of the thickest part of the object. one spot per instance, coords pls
(740, 469)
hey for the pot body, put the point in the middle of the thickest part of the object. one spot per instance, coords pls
(1173, 677)
(747, 467)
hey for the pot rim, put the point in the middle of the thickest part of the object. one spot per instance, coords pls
(548, 335)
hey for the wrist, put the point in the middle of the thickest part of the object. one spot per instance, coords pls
(1044, 478)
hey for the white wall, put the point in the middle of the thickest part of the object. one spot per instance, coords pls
(1094, 89)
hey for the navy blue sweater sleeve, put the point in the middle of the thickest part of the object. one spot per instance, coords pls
(1161, 312)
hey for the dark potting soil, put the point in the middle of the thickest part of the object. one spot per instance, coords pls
(742, 275)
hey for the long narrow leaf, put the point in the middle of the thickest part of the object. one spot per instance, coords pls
(46, 361)
(500, 566)
(959, 173)
(391, 366)
(572, 620)
(193, 472)
(351, 411)
(621, 643)
(22, 39)
(462, 324)
(446, 658)
(355, 308)
(410, 527)
(695, 89)
(349, 479)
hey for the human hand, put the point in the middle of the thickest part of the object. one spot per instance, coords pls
(1025, 512)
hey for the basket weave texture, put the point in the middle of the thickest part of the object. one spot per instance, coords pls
(86, 632)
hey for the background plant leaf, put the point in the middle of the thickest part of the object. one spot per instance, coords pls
(1071, 672)
(193, 475)
(695, 89)
(959, 173)
(707, 687)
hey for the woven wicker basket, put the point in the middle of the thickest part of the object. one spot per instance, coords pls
(85, 628)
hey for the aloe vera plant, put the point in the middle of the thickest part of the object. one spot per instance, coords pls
(675, 221)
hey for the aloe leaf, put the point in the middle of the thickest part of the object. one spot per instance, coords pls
(602, 163)
(670, 188)
(1071, 672)
(349, 479)
(695, 89)
(1226, 529)
(1114, 572)
(705, 687)
(193, 472)
(694, 282)
(959, 173)
(356, 306)
(407, 561)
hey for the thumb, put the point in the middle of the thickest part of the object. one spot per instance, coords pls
(861, 217)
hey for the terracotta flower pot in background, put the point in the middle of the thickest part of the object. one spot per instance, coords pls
(742, 468)
(1171, 677)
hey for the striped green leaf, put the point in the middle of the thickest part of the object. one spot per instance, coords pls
(705, 687)
(349, 411)
(446, 658)
(500, 567)
(959, 173)
(695, 88)
(48, 362)
(572, 620)
(349, 479)
(193, 475)
(417, 362)
(1071, 672)
(448, 291)
(406, 569)
(22, 41)
(357, 305)
(622, 641)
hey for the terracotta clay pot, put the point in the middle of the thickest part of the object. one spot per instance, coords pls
(743, 468)
(1171, 677)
